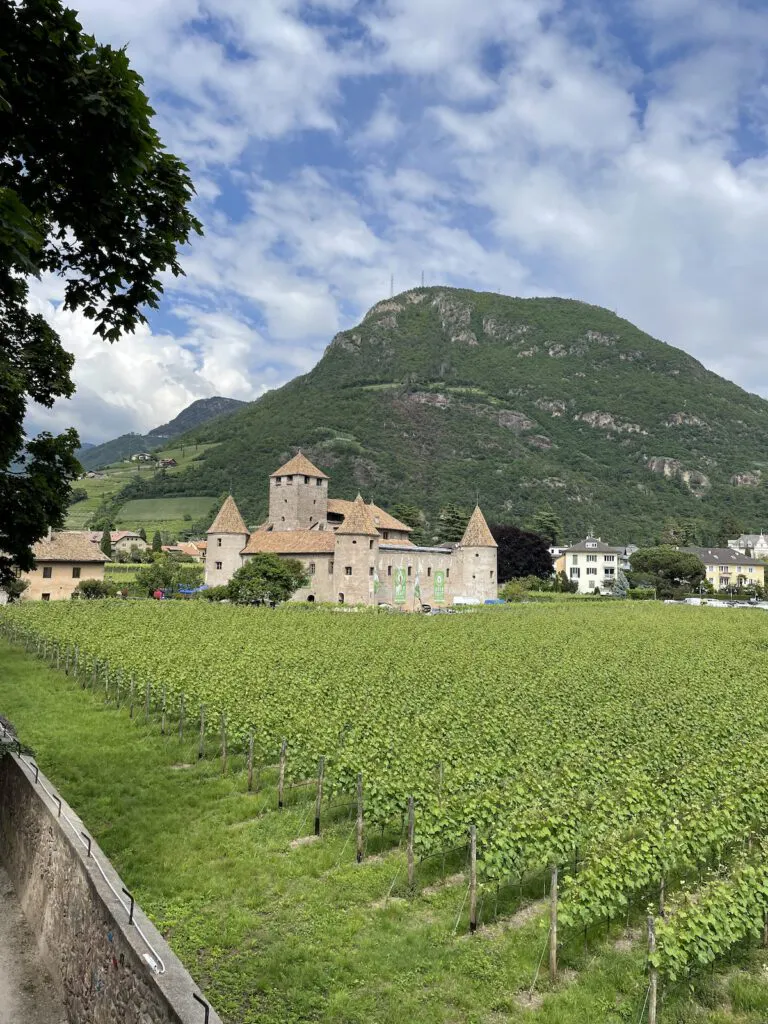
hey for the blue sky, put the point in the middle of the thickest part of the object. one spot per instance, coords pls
(614, 151)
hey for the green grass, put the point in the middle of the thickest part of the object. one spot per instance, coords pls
(116, 476)
(279, 932)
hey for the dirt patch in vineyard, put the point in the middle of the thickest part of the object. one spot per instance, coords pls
(529, 1000)
(303, 841)
(388, 901)
(446, 883)
(627, 939)
(517, 920)
(181, 767)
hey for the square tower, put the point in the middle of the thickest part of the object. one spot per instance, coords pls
(298, 496)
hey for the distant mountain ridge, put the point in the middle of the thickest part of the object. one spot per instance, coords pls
(447, 395)
(196, 414)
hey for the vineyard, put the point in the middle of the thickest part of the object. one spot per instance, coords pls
(617, 750)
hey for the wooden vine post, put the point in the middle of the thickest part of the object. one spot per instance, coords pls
(411, 831)
(281, 774)
(250, 761)
(765, 929)
(146, 704)
(223, 743)
(319, 794)
(553, 926)
(162, 713)
(201, 744)
(472, 879)
(661, 897)
(359, 817)
(654, 974)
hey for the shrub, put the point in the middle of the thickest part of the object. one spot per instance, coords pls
(641, 594)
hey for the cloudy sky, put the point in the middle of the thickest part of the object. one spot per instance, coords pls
(610, 150)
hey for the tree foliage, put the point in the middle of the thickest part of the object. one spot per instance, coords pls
(267, 579)
(106, 542)
(547, 523)
(87, 192)
(667, 569)
(91, 590)
(157, 542)
(521, 553)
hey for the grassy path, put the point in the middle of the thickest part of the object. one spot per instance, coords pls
(279, 930)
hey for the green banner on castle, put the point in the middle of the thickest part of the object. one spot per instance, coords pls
(400, 584)
(439, 588)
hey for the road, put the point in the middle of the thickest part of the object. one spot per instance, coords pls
(27, 995)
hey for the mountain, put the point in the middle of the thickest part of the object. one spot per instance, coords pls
(201, 411)
(196, 414)
(444, 395)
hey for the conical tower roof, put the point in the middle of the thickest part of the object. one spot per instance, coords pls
(229, 519)
(358, 520)
(299, 465)
(477, 534)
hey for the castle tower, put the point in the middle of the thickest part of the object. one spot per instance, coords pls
(476, 561)
(355, 557)
(227, 537)
(298, 496)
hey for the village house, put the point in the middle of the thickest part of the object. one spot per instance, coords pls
(728, 568)
(754, 544)
(592, 564)
(61, 561)
(353, 552)
(122, 540)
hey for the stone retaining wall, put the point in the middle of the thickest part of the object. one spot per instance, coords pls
(96, 958)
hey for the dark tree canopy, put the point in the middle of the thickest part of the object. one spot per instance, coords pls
(267, 579)
(668, 568)
(87, 192)
(547, 523)
(521, 553)
(451, 523)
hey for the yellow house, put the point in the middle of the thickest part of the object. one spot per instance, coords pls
(62, 560)
(727, 567)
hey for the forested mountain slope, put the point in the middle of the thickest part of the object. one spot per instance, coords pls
(444, 395)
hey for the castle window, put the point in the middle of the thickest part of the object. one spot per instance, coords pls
(330, 568)
(310, 519)
(311, 568)
(491, 573)
(219, 565)
(347, 570)
(389, 570)
(218, 542)
(306, 479)
(76, 572)
(410, 567)
(278, 481)
(386, 535)
(447, 573)
(282, 518)
(319, 482)
(289, 479)
(46, 597)
(47, 572)
(370, 545)
(370, 571)
(354, 542)
(429, 570)
(477, 555)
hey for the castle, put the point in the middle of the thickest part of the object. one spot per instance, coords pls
(353, 552)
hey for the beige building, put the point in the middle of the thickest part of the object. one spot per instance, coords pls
(729, 569)
(592, 564)
(62, 560)
(353, 552)
(122, 540)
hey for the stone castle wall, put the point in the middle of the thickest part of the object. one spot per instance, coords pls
(95, 957)
(295, 504)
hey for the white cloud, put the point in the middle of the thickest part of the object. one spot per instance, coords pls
(525, 146)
